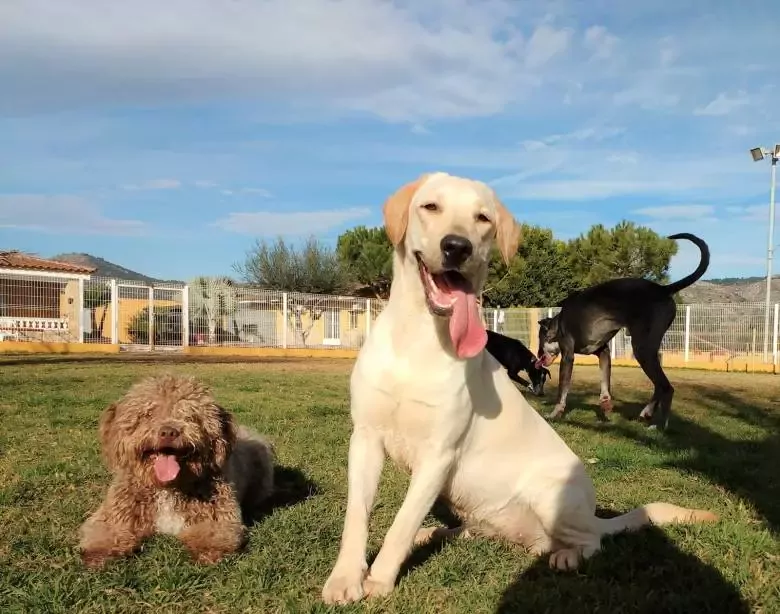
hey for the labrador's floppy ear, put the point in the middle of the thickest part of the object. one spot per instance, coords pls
(508, 231)
(396, 210)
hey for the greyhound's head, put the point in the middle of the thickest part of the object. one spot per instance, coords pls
(444, 227)
(549, 348)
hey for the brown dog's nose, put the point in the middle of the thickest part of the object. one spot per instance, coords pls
(456, 250)
(168, 433)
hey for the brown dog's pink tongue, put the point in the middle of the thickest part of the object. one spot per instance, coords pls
(466, 328)
(166, 468)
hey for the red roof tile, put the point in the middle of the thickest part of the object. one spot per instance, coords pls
(28, 262)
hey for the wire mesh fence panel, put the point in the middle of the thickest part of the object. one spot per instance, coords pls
(252, 319)
(133, 326)
(43, 309)
(168, 321)
(98, 313)
(220, 312)
(727, 330)
(673, 342)
(318, 321)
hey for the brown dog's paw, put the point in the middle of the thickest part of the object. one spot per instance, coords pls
(94, 559)
(207, 557)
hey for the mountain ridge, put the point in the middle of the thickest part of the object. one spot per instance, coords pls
(716, 290)
(105, 268)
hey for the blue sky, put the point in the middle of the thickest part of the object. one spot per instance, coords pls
(168, 136)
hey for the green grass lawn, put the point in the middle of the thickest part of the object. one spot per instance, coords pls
(722, 453)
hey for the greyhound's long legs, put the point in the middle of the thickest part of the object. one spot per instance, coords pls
(605, 369)
(646, 344)
(564, 383)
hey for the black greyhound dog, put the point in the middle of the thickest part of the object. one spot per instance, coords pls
(515, 357)
(590, 318)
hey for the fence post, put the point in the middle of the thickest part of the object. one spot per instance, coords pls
(495, 318)
(284, 320)
(151, 318)
(185, 316)
(775, 349)
(114, 312)
(80, 310)
(687, 332)
(368, 317)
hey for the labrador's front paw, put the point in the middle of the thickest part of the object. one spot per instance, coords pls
(343, 587)
(373, 587)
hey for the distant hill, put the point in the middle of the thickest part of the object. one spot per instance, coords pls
(731, 290)
(108, 269)
(723, 290)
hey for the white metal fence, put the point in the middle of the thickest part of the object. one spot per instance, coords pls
(141, 317)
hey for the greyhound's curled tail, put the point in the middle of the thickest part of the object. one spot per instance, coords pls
(657, 514)
(675, 287)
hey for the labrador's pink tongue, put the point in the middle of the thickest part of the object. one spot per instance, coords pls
(166, 468)
(466, 328)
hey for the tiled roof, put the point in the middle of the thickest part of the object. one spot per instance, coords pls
(28, 262)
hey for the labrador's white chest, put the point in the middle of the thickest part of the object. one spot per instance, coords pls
(167, 520)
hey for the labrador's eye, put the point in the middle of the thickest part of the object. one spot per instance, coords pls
(431, 206)
(483, 218)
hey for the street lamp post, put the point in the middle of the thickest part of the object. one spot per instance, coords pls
(758, 154)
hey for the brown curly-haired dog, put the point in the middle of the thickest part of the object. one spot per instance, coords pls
(180, 466)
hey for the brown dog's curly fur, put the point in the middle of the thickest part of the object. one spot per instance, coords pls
(180, 466)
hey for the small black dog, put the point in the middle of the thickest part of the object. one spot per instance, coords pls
(515, 357)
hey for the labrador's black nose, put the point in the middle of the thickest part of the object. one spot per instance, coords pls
(455, 250)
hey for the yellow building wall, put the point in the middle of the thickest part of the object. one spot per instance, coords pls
(350, 337)
(129, 308)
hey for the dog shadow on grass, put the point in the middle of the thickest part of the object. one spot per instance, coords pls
(642, 571)
(744, 467)
(291, 486)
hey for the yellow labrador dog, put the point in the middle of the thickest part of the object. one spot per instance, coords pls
(425, 393)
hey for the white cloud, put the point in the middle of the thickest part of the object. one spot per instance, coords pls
(723, 104)
(154, 184)
(406, 61)
(668, 51)
(205, 183)
(261, 192)
(61, 214)
(545, 44)
(584, 189)
(752, 213)
(600, 42)
(623, 158)
(670, 212)
(551, 168)
(650, 94)
(593, 133)
(298, 223)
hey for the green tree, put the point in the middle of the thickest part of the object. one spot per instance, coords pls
(212, 298)
(537, 276)
(627, 250)
(367, 256)
(313, 268)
